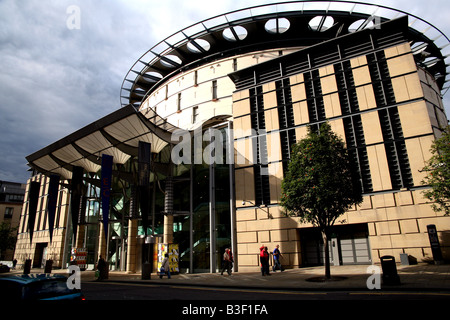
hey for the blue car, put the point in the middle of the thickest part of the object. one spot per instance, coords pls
(37, 287)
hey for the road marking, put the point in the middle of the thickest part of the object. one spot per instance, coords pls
(384, 293)
(248, 290)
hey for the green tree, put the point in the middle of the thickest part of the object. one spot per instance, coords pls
(8, 237)
(321, 183)
(438, 173)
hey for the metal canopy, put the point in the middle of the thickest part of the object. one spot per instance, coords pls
(118, 134)
(278, 25)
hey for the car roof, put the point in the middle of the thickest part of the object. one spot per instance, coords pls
(32, 278)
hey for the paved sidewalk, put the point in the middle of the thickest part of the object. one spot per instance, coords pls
(420, 277)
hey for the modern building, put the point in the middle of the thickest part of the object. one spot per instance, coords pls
(200, 144)
(11, 201)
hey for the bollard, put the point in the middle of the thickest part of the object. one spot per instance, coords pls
(48, 266)
(146, 271)
(27, 267)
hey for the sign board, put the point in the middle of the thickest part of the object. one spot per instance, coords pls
(434, 243)
(172, 250)
(80, 256)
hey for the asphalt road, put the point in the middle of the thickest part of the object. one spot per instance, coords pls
(130, 291)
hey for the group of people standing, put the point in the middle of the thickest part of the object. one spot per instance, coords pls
(264, 257)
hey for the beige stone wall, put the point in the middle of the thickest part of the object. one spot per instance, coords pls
(25, 249)
(195, 88)
(397, 219)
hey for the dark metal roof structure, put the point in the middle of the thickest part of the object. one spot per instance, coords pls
(279, 25)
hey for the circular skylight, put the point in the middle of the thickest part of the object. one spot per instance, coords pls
(198, 46)
(321, 23)
(235, 33)
(171, 61)
(279, 25)
(361, 24)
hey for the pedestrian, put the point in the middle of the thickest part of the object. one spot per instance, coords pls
(165, 267)
(264, 259)
(14, 263)
(227, 262)
(101, 269)
(276, 259)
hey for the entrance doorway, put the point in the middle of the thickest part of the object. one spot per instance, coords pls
(349, 244)
(40, 255)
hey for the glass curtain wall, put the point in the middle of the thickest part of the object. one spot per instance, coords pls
(193, 211)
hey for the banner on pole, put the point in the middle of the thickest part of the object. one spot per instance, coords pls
(105, 188)
(53, 188)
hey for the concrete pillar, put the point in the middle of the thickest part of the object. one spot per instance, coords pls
(168, 211)
(80, 236)
(101, 243)
(168, 229)
(132, 244)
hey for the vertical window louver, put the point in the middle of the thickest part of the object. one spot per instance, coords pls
(394, 142)
(262, 187)
(354, 133)
(316, 108)
(285, 119)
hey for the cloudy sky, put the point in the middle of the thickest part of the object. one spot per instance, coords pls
(55, 80)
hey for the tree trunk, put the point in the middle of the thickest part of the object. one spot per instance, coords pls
(327, 255)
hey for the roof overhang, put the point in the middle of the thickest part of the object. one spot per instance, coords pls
(275, 25)
(117, 134)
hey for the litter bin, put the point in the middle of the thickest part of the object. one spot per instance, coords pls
(390, 275)
(48, 266)
(146, 271)
(27, 267)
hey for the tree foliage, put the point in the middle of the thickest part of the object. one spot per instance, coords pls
(321, 184)
(7, 237)
(438, 174)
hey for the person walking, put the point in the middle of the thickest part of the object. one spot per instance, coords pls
(264, 259)
(227, 261)
(276, 259)
(165, 267)
(102, 269)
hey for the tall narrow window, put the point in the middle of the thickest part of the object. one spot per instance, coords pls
(9, 212)
(194, 114)
(394, 142)
(316, 108)
(214, 90)
(285, 119)
(258, 122)
(354, 133)
(234, 64)
(195, 78)
(179, 102)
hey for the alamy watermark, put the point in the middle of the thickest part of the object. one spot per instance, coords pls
(374, 280)
(74, 280)
(73, 21)
(215, 146)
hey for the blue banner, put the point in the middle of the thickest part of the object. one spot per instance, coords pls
(33, 198)
(105, 189)
(53, 189)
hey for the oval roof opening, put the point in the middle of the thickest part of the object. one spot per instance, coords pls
(235, 33)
